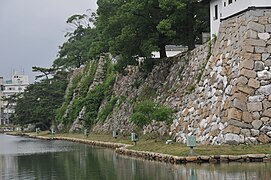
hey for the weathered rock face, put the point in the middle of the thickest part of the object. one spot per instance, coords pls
(222, 98)
(156, 129)
(231, 103)
(77, 126)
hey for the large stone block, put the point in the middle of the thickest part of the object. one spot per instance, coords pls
(248, 64)
(256, 26)
(268, 28)
(239, 96)
(256, 14)
(256, 115)
(257, 124)
(255, 106)
(254, 132)
(234, 113)
(267, 62)
(241, 105)
(240, 124)
(259, 66)
(246, 132)
(232, 129)
(245, 89)
(243, 80)
(247, 117)
(263, 20)
(264, 75)
(251, 34)
(256, 42)
(259, 49)
(267, 113)
(263, 138)
(248, 49)
(266, 104)
(266, 90)
(253, 83)
(265, 120)
(257, 98)
(231, 138)
(265, 56)
(264, 36)
(248, 73)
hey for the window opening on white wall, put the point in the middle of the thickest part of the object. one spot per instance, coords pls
(216, 12)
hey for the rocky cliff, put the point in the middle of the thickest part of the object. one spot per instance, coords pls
(221, 92)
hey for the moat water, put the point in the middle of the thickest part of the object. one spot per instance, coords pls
(30, 159)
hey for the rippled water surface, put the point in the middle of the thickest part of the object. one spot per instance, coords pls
(27, 159)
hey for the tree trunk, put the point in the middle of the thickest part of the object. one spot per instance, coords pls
(190, 27)
(191, 44)
(162, 51)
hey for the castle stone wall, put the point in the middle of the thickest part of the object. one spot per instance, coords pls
(232, 101)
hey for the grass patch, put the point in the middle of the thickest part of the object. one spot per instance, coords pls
(177, 149)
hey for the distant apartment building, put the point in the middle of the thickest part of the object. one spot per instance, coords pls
(1, 99)
(16, 85)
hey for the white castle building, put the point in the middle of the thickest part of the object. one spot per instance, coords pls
(16, 85)
(223, 9)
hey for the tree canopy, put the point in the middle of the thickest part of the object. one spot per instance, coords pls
(139, 27)
(132, 29)
(37, 104)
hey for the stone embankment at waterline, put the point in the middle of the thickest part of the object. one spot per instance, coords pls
(121, 149)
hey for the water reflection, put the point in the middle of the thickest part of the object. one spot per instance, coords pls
(64, 160)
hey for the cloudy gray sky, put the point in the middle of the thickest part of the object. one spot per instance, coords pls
(32, 30)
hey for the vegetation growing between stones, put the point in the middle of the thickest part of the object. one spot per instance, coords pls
(210, 43)
(79, 86)
(190, 89)
(107, 109)
(146, 111)
(101, 92)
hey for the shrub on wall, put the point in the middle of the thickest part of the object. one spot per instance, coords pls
(146, 111)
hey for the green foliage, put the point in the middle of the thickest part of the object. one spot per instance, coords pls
(79, 85)
(180, 74)
(146, 111)
(60, 113)
(74, 84)
(81, 44)
(122, 63)
(101, 92)
(200, 73)
(190, 89)
(148, 66)
(92, 103)
(39, 102)
(147, 93)
(163, 113)
(137, 28)
(88, 78)
(107, 109)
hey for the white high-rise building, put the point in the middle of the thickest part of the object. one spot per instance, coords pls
(16, 85)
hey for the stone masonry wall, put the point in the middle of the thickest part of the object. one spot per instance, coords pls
(232, 102)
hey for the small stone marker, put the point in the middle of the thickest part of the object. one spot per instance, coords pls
(134, 137)
(191, 142)
(86, 132)
(169, 141)
(53, 131)
(37, 130)
(115, 134)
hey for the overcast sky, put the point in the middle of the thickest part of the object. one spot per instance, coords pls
(32, 30)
